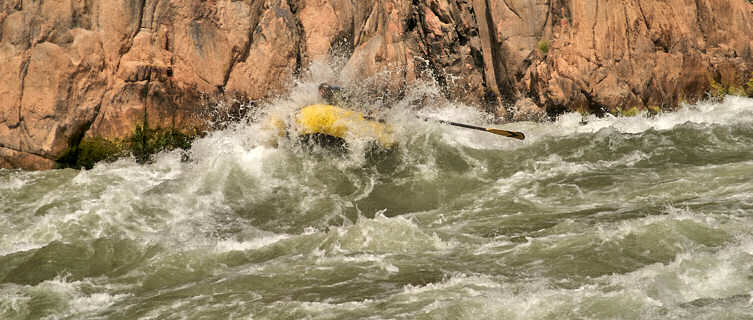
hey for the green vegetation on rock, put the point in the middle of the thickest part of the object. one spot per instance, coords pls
(142, 144)
(90, 151)
(544, 46)
(626, 112)
(631, 112)
(146, 141)
(719, 90)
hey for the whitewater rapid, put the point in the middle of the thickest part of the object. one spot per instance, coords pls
(644, 217)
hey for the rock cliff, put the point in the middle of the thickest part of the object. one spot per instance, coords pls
(77, 69)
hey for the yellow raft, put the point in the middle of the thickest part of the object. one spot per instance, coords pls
(332, 121)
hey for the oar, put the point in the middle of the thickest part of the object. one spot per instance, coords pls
(510, 134)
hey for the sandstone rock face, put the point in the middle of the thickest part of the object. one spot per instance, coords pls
(272, 54)
(13, 159)
(607, 55)
(71, 69)
(526, 110)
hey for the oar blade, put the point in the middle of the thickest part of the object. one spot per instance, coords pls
(510, 134)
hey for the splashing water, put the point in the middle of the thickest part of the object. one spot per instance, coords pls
(629, 218)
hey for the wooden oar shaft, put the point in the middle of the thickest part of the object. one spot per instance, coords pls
(506, 133)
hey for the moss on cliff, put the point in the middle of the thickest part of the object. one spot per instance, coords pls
(90, 151)
(142, 144)
(543, 46)
(146, 141)
(629, 112)
(741, 88)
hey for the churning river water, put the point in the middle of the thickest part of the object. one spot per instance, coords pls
(645, 217)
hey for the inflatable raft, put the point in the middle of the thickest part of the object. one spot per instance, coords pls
(327, 124)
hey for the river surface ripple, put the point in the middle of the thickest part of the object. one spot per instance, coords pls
(645, 217)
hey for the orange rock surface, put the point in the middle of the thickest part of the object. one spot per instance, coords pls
(82, 68)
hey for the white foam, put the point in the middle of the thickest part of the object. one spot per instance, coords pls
(694, 275)
(382, 234)
(181, 204)
(235, 245)
(732, 110)
(456, 281)
(71, 298)
(15, 181)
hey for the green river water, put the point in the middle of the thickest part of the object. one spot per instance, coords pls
(617, 218)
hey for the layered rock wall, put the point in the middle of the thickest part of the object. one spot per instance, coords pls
(607, 55)
(71, 69)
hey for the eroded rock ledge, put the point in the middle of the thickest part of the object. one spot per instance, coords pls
(77, 69)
